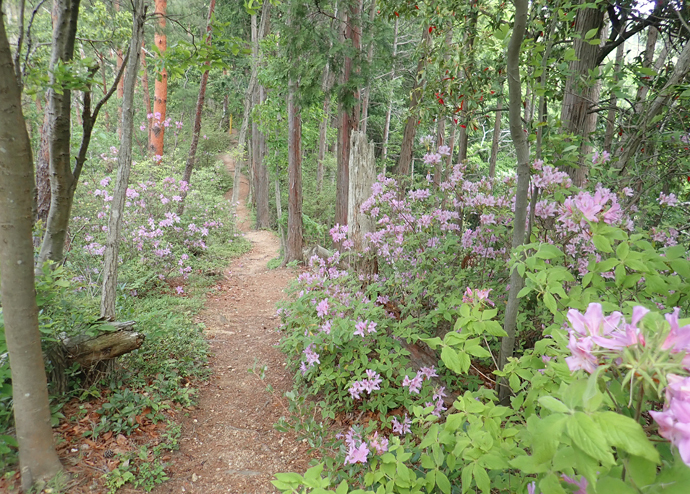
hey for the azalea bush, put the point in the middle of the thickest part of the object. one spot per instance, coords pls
(599, 395)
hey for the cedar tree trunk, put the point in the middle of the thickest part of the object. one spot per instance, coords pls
(293, 249)
(160, 91)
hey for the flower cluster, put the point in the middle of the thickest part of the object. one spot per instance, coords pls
(368, 385)
(358, 450)
(415, 384)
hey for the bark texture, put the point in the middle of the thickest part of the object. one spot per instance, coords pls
(581, 92)
(362, 177)
(389, 111)
(293, 250)
(349, 116)
(160, 91)
(495, 139)
(521, 198)
(124, 164)
(62, 181)
(37, 457)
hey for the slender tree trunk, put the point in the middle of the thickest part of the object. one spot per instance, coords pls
(451, 145)
(495, 139)
(370, 56)
(323, 142)
(387, 125)
(411, 123)
(521, 197)
(43, 168)
(38, 460)
(147, 95)
(440, 141)
(259, 170)
(160, 91)
(62, 182)
(613, 108)
(581, 93)
(191, 158)
(293, 250)
(121, 84)
(279, 211)
(124, 165)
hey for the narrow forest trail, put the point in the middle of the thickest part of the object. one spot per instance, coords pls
(228, 442)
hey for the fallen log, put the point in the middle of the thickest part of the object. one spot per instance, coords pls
(95, 353)
(89, 350)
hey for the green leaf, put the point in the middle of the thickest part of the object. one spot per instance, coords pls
(622, 250)
(342, 488)
(455, 361)
(527, 464)
(525, 290)
(643, 472)
(626, 434)
(493, 462)
(477, 351)
(466, 478)
(607, 265)
(553, 404)
(591, 33)
(682, 267)
(481, 478)
(602, 243)
(588, 436)
(442, 482)
(548, 251)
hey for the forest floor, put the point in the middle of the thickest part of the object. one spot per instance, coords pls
(228, 442)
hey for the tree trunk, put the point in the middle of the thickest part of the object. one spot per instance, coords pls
(613, 108)
(160, 91)
(370, 56)
(121, 84)
(349, 116)
(411, 123)
(124, 164)
(43, 168)
(62, 182)
(387, 125)
(37, 457)
(259, 170)
(293, 249)
(191, 158)
(147, 95)
(495, 139)
(279, 212)
(323, 142)
(362, 176)
(581, 93)
(521, 196)
(241, 144)
(440, 141)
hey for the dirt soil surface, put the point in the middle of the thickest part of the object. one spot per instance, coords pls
(228, 442)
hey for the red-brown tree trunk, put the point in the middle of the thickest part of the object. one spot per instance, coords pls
(293, 249)
(160, 98)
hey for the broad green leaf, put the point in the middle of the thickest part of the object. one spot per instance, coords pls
(528, 465)
(588, 436)
(608, 264)
(442, 482)
(466, 478)
(550, 302)
(610, 485)
(456, 361)
(622, 250)
(342, 488)
(626, 434)
(591, 33)
(602, 243)
(548, 251)
(481, 478)
(553, 404)
(642, 471)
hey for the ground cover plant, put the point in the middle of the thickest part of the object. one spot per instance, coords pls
(168, 262)
(599, 386)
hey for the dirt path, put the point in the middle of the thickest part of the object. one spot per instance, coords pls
(228, 442)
